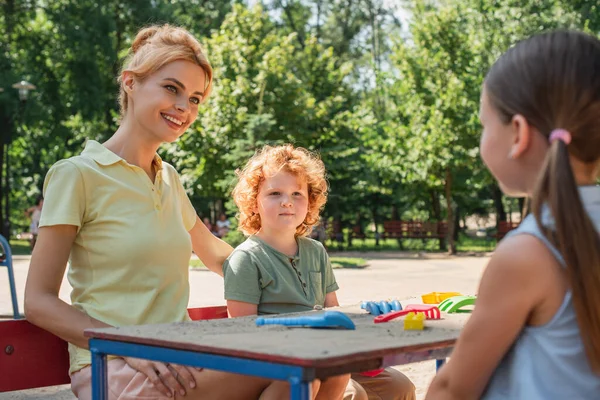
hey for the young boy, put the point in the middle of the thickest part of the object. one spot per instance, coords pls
(278, 269)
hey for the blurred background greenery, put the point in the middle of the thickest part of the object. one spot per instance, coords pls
(387, 91)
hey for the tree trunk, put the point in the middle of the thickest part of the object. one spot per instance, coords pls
(351, 232)
(497, 196)
(374, 213)
(456, 223)
(450, 216)
(395, 216)
(437, 212)
(523, 203)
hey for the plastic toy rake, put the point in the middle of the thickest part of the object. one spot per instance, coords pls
(381, 307)
(431, 312)
(328, 319)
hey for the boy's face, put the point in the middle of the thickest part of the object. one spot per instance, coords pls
(282, 202)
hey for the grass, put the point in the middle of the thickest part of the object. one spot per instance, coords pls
(475, 244)
(20, 247)
(336, 262)
(348, 262)
(195, 263)
(465, 244)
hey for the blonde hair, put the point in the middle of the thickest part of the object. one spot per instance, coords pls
(295, 160)
(158, 45)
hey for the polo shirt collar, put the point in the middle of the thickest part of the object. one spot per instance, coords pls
(103, 156)
(277, 252)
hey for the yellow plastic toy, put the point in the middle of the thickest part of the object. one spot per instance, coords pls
(438, 297)
(414, 322)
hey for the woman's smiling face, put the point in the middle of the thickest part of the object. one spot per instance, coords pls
(166, 103)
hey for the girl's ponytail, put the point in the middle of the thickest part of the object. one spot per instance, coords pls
(576, 238)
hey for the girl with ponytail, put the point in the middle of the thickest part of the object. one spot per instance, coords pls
(535, 331)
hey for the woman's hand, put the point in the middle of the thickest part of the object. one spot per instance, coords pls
(166, 378)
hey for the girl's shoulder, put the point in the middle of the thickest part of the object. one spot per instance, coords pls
(527, 265)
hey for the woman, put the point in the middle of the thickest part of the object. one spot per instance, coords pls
(121, 215)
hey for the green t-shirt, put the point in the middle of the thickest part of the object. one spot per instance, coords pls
(256, 273)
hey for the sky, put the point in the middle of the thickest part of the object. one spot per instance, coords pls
(401, 13)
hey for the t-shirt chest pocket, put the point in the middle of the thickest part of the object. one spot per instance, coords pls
(316, 286)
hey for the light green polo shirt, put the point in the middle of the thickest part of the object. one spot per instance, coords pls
(256, 273)
(129, 263)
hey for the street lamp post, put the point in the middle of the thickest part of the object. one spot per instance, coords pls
(24, 88)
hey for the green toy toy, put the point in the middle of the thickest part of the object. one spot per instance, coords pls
(455, 304)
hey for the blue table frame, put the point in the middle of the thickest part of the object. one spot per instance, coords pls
(117, 341)
(7, 262)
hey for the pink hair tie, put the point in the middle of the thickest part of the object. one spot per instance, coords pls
(560, 134)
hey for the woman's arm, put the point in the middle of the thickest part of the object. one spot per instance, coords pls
(511, 289)
(211, 250)
(44, 309)
(46, 270)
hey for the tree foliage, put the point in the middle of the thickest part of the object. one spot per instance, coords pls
(386, 92)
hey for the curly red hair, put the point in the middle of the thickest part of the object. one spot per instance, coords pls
(295, 160)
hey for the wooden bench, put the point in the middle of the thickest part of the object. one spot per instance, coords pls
(414, 230)
(32, 357)
(356, 233)
(504, 227)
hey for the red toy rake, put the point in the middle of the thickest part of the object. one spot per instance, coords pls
(431, 312)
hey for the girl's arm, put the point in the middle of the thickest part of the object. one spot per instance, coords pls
(46, 270)
(511, 290)
(211, 250)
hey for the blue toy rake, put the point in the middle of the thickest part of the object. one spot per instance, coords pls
(328, 319)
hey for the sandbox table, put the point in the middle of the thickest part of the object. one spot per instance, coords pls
(296, 355)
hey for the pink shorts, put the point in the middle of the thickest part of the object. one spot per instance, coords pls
(124, 382)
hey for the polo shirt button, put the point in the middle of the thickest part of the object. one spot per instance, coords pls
(157, 207)
(303, 284)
